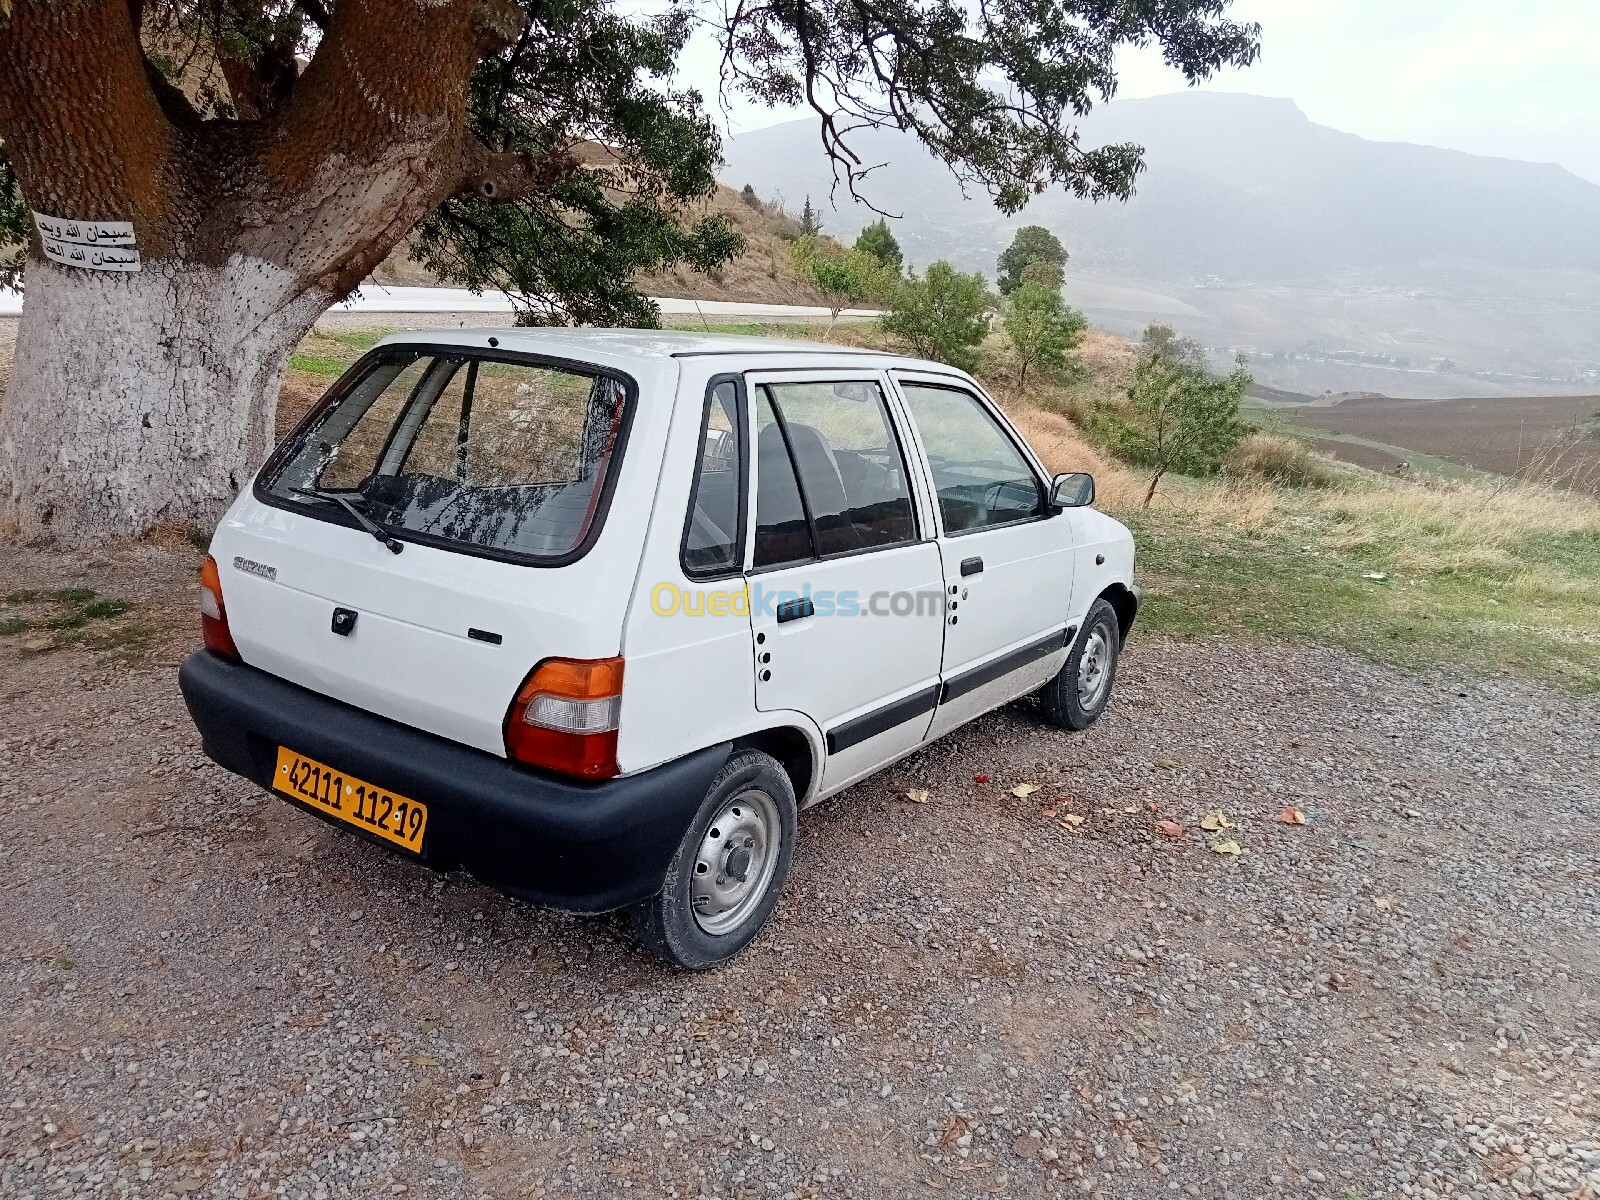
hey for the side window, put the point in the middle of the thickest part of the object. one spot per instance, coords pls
(852, 474)
(783, 530)
(712, 542)
(981, 477)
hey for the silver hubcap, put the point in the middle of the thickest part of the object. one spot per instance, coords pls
(734, 866)
(1094, 668)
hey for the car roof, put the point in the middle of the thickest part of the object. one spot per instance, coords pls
(612, 347)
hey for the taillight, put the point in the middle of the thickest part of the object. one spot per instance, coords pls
(213, 615)
(565, 717)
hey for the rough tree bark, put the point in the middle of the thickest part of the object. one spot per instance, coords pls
(139, 398)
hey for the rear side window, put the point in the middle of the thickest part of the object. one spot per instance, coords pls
(834, 456)
(981, 477)
(508, 458)
(713, 541)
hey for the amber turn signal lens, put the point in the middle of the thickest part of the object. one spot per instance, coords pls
(213, 615)
(565, 717)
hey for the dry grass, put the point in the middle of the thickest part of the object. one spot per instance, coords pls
(762, 274)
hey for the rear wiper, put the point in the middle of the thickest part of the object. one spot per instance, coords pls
(382, 533)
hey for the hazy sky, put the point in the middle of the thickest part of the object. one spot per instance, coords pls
(1519, 81)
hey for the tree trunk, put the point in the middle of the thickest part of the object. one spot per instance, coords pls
(150, 396)
(141, 398)
(1155, 481)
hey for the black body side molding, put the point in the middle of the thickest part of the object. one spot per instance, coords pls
(858, 729)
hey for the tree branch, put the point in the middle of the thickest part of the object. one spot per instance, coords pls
(504, 178)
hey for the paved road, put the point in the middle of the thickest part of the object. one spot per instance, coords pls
(376, 299)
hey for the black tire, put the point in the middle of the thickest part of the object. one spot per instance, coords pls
(1061, 698)
(756, 787)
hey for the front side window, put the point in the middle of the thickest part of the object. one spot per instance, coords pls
(486, 454)
(981, 477)
(834, 456)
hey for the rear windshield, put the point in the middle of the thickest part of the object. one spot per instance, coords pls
(505, 458)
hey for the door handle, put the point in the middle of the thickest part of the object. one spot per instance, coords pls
(794, 610)
(971, 566)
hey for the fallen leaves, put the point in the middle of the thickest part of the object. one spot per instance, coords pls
(1290, 815)
(1384, 903)
(1023, 790)
(1167, 764)
(1228, 847)
(917, 795)
(980, 779)
(1410, 814)
(1071, 821)
(1215, 822)
(1171, 828)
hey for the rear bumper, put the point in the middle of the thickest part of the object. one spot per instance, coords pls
(587, 847)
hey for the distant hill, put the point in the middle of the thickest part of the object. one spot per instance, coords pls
(762, 274)
(1254, 227)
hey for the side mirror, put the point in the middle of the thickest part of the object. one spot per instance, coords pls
(1072, 490)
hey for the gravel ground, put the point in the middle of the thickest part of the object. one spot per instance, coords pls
(208, 993)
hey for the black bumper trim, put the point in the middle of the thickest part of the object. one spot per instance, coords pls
(586, 847)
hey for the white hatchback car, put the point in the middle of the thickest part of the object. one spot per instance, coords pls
(592, 613)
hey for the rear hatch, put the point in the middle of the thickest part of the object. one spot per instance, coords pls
(490, 474)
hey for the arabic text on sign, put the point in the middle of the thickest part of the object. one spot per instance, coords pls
(85, 233)
(90, 258)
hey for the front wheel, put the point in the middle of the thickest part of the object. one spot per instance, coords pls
(724, 880)
(1078, 694)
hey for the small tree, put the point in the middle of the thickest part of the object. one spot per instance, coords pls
(810, 220)
(1163, 341)
(844, 277)
(877, 240)
(1178, 418)
(942, 315)
(1033, 244)
(748, 195)
(1041, 328)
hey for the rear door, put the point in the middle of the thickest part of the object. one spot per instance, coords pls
(845, 588)
(1007, 560)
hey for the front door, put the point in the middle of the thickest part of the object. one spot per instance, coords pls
(1007, 559)
(846, 603)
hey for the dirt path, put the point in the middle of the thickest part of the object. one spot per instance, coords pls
(205, 992)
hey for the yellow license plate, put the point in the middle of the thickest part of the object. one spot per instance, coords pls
(352, 800)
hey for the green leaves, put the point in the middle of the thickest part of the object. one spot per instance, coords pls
(586, 79)
(1035, 255)
(1178, 417)
(941, 316)
(13, 224)
(877, 240)
(1041, 328)
(994, 90)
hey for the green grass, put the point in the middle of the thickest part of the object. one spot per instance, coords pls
(316, 364)
(68, 614)
(1531, 610)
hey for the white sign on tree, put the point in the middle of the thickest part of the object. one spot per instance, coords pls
(91, 245)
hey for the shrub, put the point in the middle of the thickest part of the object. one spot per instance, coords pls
(844, 277)
(748, 195)
(1277, 459)
(941, 316)
(1177, 418)
(1041, 328)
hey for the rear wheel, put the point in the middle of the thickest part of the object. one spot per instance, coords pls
(725, 878)
(1079, 693)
